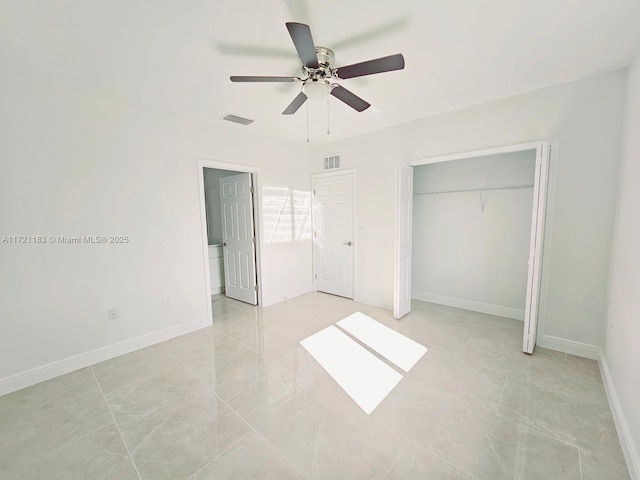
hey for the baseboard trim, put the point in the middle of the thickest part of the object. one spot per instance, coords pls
(627, 443)
(487, 308)
(272, 300)
(373, 301)
(70, 364)
(572, 347)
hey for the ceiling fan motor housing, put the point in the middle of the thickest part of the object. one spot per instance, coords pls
(326, 57)
(317, 85)
(326, 60)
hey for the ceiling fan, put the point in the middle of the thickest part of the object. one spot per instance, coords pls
(319, 71)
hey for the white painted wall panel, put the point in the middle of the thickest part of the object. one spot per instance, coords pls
(81, 159)
(622, 337)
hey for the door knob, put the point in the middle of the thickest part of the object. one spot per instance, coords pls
(224, 244)
(348, 244)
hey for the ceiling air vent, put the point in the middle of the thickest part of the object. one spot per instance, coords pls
(331, 162)
(229, 117)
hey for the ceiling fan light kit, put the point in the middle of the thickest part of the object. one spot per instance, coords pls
(316, 90)
(319, 71)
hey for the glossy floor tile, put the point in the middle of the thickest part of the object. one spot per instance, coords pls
(243, 399)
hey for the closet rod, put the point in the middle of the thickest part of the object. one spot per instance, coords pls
(514, 187)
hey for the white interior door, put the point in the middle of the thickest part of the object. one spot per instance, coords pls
(535, 247)
(402, 293)
(333, 240)
(238, 247)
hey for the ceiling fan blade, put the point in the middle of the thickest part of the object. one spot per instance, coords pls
(237, 78)
(296, 104)
(301, 36)
(379, 65)
(350, 98)
(286, 87)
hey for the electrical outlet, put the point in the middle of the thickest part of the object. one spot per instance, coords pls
(166, 302)
(113, 314)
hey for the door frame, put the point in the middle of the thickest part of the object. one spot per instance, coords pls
(544, 151)
(354, 262)
(203, 163)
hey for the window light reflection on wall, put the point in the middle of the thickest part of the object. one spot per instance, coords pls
(286, 215)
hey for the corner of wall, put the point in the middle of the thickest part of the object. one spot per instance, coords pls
(629, 448)
(571, 347)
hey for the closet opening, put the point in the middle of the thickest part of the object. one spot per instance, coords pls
(469, 232)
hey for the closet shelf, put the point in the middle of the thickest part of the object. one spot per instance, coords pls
(512, 187)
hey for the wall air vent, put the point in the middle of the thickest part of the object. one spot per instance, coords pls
(229, 117)
(331, 162)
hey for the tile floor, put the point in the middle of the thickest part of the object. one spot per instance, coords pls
(243, 400)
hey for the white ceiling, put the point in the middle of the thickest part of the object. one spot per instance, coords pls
(178, 55)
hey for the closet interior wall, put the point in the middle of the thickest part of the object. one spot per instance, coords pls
(471, 232)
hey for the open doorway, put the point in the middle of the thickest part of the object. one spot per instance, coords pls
(470, 195)
(229, 209)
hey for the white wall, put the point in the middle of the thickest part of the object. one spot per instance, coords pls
(621, 360)
(80, 159)
(585, 116)
(465, 255)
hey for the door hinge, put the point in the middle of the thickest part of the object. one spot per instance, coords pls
(314, 192)
(256, 288)
(315, 276)
(251, 190)
(254, 240)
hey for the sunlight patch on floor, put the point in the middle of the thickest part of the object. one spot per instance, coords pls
(393, 346)
(361, 374)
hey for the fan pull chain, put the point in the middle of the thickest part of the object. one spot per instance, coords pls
(328, 130)
(307, 122)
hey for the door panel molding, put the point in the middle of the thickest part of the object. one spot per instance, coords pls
(237, 235)
(334, 267)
